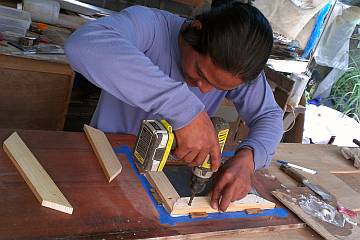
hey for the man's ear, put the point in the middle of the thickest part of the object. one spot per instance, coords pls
(196, 24)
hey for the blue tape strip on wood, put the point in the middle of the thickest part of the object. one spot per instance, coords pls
(166, 218)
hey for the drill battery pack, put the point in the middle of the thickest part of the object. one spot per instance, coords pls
(153, 145)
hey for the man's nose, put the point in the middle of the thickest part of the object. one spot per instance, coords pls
(204, 86)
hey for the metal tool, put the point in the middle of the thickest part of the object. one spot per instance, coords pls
(301, 179)
(308, 170)
(203, 173)
(28, 41)
(156, 140)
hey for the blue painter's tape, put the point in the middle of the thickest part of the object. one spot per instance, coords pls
(166, 218)
(228, 153)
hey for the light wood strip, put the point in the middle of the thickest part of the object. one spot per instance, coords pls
(164, 188)
(202, 204)
(35, 175)
(104, 152)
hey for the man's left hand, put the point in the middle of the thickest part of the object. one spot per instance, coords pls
(233, 181)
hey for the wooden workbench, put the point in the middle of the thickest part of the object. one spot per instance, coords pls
(119, 210)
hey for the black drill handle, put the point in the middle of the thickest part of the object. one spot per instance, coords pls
(293, 173)
(357, 142)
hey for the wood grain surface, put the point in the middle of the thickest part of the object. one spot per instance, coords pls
(117, 210)
(332, 169)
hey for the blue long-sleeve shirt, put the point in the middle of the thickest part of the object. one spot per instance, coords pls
(134, 57)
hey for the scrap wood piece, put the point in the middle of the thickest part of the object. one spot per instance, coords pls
(353, 154)
(177, 205)
(326, 230)
(202, 204)
(199, 215)
(35, 175)
(104, 152)
(164, 188)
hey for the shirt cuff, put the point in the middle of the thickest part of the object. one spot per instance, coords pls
(261, 158)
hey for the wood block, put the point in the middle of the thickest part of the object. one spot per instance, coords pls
(164, 188)
(104, 152)
(253, 210)
(35, 175)
(199, 215)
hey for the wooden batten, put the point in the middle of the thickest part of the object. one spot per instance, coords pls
(105, 154)
(35, 175)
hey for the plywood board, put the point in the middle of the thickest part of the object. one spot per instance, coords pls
(104, 152)
(177, 205)
(328, 231)
(35, 175)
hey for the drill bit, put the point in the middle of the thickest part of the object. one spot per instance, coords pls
(191, 198)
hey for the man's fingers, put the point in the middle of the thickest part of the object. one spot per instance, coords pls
(190, 157)
(180, 153)
(215, 157)
(200, 158)
(227, 197)
(217, 192)
(215, 196)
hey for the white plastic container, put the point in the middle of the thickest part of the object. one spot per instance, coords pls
(301, 81)
(46, 11)
(14, 20)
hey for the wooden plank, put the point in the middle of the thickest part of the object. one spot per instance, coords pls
(28, 64)
(202, 204)
(279, 234)
(164, 188)
(326, 159)
(35, 175)
(326, 230)
(104, 152)
(316, 156)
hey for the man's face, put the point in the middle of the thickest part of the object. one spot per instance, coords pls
(199, 71)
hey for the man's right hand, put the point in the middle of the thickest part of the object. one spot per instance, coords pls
(196, 140)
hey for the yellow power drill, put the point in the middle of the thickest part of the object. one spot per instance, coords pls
(155, 141)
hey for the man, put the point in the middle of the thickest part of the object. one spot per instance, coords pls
(151, 64)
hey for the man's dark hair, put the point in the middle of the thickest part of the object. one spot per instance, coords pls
(237, 37)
